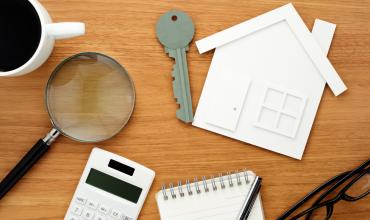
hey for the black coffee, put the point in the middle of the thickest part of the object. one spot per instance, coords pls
(20, 33)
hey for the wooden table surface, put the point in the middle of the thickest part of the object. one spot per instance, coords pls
(125, 30)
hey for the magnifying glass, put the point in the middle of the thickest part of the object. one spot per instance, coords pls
(89, 97)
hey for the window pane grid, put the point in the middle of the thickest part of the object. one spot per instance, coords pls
(280, 111)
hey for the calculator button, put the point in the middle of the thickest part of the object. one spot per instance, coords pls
(92, 205)
(87, 214)
(100, 217)
(71, 217)
(80, 200)
(103, 209)
(115, 214)
(77, 210)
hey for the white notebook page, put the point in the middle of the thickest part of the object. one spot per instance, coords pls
(222, 204)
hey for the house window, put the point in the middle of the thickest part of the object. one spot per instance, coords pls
(281, 111)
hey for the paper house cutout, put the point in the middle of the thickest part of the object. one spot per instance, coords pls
(266, 80)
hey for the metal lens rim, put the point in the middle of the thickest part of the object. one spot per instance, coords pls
(51, 79)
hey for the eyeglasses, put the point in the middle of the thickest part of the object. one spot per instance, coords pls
(350, 186)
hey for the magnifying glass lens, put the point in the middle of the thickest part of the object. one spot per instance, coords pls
(90, 97)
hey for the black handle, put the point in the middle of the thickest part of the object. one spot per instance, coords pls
(22, 167)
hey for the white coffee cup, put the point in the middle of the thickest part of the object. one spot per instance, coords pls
(49, 33)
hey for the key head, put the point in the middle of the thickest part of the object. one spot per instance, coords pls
(175, 29)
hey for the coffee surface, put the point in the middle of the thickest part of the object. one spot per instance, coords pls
(20, 33)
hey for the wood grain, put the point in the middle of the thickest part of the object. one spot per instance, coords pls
(124, 29)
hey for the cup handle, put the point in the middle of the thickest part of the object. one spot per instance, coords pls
(65, 30)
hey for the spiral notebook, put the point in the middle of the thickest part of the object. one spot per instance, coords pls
(219, 198)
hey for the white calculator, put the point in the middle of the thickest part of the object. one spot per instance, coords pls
(111, 188)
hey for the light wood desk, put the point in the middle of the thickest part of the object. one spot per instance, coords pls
(125, 30)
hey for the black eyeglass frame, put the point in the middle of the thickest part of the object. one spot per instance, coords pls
(338, 181)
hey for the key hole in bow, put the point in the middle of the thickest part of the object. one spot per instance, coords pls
(174, 18)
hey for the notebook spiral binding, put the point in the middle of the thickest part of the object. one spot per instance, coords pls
(216, 184)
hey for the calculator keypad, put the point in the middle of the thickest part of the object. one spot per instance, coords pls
(85, 209)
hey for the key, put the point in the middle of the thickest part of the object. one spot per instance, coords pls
(103, 209)
(115, 214)
(71, 217)
(77, 210)
(87, 215)
(100, 217)
(175, 30)
(81, 200)
(92, 205)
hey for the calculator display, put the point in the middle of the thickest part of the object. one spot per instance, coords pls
(113, 185)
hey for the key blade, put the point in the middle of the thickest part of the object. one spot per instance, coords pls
(181, 85)
(181, 113)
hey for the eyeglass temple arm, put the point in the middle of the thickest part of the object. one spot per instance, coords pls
(337, 179)
(310, 195)
(310, 210)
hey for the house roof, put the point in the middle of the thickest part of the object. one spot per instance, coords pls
(291, 16)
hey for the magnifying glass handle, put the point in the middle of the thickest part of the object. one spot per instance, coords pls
(25, 164)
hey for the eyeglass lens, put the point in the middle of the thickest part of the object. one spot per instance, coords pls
(361, 186)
